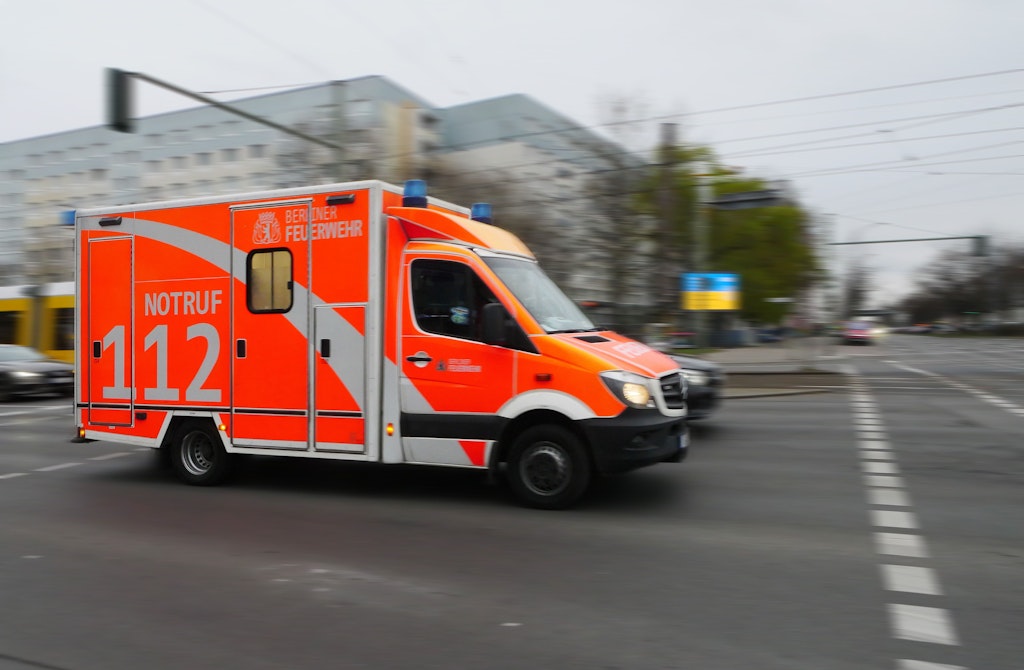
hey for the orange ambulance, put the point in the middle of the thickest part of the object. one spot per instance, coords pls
(360, 322)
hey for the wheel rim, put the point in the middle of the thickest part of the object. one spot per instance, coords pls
(197, 453)
(545, 469)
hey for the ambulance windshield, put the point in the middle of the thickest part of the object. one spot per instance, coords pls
(552, 309)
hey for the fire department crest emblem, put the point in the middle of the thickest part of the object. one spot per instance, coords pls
(267, 230)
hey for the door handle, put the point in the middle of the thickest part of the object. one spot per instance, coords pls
(419, 358)
(325, 348)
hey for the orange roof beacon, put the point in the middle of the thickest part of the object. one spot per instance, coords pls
(355, 322)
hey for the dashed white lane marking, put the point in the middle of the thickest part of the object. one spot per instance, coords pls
(901, 544)
(107, 457)
(880, 468)
(891, 481)
(888, 498)
(64, 466)
(990, 398)
(925, 665)
(885, 489)
(922, 624)
(876, 455)
(60, 466)
(887, 518)
(911, 579)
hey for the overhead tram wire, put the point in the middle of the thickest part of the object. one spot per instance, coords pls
(755, 105)
(578, 128)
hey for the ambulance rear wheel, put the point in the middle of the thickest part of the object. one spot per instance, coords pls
(198, 455)
(548, 467)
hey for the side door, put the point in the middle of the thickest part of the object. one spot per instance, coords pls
(270, 325)
(339, 374)
(110, 329)
(452, 384)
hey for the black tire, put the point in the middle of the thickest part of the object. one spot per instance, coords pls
(548, 467)
(197, 454)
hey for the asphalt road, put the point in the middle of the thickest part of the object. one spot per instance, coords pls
(880, 525)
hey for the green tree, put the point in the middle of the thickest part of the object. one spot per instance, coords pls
(770, 248)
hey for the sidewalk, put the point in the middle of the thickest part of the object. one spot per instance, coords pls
(796, 366)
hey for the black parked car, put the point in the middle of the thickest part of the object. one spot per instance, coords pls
(25, 371)
(704, 380)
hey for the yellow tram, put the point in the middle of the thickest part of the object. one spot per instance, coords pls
(41, 317)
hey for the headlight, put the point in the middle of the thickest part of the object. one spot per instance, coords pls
(695, 377)
(24, 374)
(630, 388)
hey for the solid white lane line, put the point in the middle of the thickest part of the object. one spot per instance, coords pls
(51, 468)
(12, 475)
(922, 624)
(879, 468)
(887, 518)
(888, 497)
(109, 456)
(873, 444)
(911, 579)
(901, 544)
(888, 481)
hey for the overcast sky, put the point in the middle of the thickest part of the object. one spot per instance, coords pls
(784, 89)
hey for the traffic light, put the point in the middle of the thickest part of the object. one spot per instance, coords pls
(119, 101)
(981, 245)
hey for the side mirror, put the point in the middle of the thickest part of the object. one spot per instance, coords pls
(495, 317)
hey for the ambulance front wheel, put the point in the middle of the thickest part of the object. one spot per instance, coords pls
(548, 467)
(198, 456)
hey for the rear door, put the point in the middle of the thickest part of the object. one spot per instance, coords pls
(110, 330)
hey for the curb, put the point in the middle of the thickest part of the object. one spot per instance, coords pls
(742, 393)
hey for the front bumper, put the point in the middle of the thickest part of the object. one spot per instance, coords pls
(634, 439)
(702, 401)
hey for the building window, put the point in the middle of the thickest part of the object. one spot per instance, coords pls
(229, 154)
(269, 281)
(257, 151)
(179, 162)
(204, 158)
(152, 166)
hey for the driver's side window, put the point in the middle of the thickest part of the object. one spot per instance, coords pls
(448, 298)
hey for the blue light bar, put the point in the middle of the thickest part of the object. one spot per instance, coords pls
(481, 211)
(67, 217)
(415, 193)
